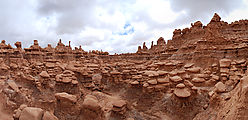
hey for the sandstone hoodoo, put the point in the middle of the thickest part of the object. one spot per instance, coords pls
(200, 74)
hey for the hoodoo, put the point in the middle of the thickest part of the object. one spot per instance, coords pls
(200, 74)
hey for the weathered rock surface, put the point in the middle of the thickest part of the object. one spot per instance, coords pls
(31, 113)
(182, 92)
(66, 97)
(49, 116)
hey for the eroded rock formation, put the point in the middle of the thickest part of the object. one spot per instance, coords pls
(200, 74)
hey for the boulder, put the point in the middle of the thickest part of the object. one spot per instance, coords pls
(44, 74)
(220, 87)
(31, 113)
(176, 79)
(66, 97)
(91, 102)
(182, 93)
(145, 85)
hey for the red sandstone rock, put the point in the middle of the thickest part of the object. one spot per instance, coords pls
(91, 102)
(220, 87)
(49, 116)
(44, 74)
(66, 97)
(182, 93)
(31, 113)
(152, 82)
(218, 49)
(216, 18)
(163, 80)
(225, 63)
(176, 79)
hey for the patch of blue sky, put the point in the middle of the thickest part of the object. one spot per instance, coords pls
(127, 29)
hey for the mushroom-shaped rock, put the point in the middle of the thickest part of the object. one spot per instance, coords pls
(198, 80)
(188, 65)
(91, 102)
(151, 73)
(188, 83)
(18, 45)
(220, 87)
(145, 85)
(119, 106)
(182, 93)
(194, 69)
(134, 83)
(152, 82)
(31, 113)
(119, 103)
(176, 79)
(160, 72)
(49, 116)
(180, 85)
(173, 73)
(225, 62)
(44, 74)
(197, 24)
(66, 97)
(163, 80)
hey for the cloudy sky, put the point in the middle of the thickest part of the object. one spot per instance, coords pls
(116, 26)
